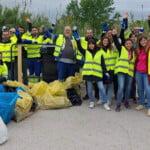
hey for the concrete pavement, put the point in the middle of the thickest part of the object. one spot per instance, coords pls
(79, 128)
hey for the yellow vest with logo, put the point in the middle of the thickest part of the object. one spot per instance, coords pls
(92, 65)
(33, 50)
(110, 58)
(60, 43)
(3, 70)
(124, 65)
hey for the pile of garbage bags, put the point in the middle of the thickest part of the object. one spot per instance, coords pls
(55, 95)
(23, 105)
(50, 96)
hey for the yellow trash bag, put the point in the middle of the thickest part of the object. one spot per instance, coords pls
(47, 101)
(57, 88)
(39, 88)
(23, 106)
(73, 81)
(16, 84)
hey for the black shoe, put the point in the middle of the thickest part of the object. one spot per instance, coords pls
(126, 104)
(118, 108)
(85, 97)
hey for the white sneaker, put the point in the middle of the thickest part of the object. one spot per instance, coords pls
(148, 113)
(99, 102)
(91, 105)
(106, 106)
(139, 107)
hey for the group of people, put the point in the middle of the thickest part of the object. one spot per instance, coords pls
(114, 67)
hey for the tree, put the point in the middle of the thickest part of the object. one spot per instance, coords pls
(13, 17)
(90, 13)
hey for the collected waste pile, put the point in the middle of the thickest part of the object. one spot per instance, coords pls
(18, 101)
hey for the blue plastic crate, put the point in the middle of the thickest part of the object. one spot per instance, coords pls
(7, 106)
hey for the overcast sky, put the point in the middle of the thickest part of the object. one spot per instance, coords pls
(52, 7)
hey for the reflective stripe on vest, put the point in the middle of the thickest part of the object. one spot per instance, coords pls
(5, 49)
(3, 70)
(92, 65)
(33, 50)
(110, 59)
(124, 65)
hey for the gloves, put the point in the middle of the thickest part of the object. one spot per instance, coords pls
(17, 32)
(48, 34)
(141, 30)
(56, 58)
(105, 27)
(124, 23)
(107, 75)
(26, 41)
(51, 30)
(76, 35)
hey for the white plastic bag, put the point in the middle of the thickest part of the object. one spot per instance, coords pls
(3, 132)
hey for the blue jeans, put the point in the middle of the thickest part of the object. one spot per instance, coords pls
(109, 91)
(124, 87)
(143, 87)
(65, 70)
(102, 91)
(34, 66)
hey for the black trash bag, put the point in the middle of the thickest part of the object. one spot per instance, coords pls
(49, 66)
(74, 98)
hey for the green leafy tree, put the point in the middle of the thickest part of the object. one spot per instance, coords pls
(90, 13)
(13, 17)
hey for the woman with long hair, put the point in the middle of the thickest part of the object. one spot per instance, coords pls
(143, 72)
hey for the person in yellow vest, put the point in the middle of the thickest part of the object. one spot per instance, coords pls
(65, 54)
(88, 35)
(3, 70)
(110, 55)
(142, 68)
(5, 49)
(124, 69)
(33, 52)
(125, 34)
(93, 70)
(84, 42)
(14, 41)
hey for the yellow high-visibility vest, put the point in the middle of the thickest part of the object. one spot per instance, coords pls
(124, 65)
(33, 50)
(110, 58)
(14, 47)
(3, 70)
(92, 65)
(60, 43)
(5, 49)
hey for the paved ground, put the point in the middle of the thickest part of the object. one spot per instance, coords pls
(79, 128)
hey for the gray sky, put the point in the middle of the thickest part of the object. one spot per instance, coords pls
(53, 7)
